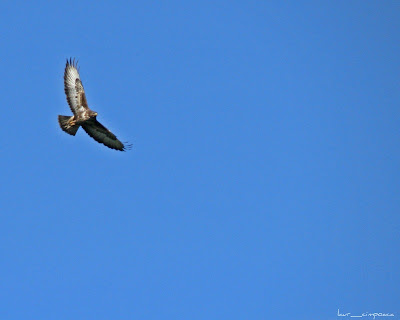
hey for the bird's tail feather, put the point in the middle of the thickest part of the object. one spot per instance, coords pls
(64, 124)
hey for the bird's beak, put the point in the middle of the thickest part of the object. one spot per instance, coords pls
(95, 114)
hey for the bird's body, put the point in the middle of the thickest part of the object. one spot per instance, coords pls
(83, 116)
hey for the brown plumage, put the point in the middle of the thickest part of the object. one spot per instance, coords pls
(82, 115)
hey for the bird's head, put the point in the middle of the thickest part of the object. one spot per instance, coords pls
(93, 114)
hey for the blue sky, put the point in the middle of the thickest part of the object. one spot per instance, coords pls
(264, 179)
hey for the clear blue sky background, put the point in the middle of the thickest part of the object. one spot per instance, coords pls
(264, 179)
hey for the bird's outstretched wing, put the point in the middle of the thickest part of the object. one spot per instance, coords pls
(102, 135)
(73, 88)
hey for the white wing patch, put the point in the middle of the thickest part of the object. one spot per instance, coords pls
(71, 75)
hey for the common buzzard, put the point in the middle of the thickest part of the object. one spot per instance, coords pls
(83, 116)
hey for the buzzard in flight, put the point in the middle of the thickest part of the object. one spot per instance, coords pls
(83, 116)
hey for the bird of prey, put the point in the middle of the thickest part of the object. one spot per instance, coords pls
(82, 115)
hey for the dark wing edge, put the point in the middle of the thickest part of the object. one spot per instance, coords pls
(73, 87)
(102, 135)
